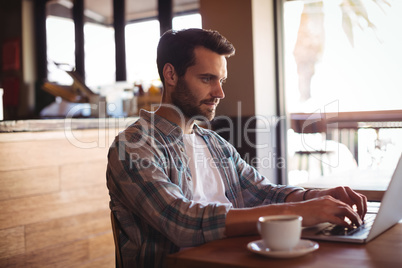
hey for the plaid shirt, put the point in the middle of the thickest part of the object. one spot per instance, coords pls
(150, 188)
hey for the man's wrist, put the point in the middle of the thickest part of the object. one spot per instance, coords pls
(306, 194)
(295, 196)
(311, 193)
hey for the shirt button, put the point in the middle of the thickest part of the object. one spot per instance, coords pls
(182, 149)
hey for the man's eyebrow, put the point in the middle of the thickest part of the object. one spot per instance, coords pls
(208, 74)
(212, 76)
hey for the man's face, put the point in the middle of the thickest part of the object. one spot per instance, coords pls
(199, 91)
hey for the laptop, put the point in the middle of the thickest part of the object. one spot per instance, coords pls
(379, 218)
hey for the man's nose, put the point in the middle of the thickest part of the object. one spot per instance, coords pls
(218, 91)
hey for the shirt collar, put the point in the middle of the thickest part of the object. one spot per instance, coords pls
(163, 125)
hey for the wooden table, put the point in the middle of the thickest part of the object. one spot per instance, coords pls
(384, 251)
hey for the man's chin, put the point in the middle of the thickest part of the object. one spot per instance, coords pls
(201, 114)
(206, 116)
(210, 116)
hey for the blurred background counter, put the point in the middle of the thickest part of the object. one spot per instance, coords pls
(54, 201)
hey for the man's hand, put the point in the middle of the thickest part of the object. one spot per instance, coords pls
(334, 205)
(348, 196)
(315, 206)
(325, 209)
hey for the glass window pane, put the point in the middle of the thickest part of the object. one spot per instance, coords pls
(99, 44)
(343, 50)
(60, 49)
(141, 42)
(342, 57)
(100, 64)
(187, 21)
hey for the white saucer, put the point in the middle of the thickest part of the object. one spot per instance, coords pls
(304, 247)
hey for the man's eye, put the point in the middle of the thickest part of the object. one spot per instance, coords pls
(206, 79)
(223, 81)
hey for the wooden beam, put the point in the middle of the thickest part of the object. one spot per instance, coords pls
(42, 98)
(78, 17)
(165, 15)
(40, 39)
(119, 23)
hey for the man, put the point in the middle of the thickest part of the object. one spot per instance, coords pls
(173, 184)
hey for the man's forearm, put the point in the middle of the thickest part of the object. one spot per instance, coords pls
(301, 195)
(243, 221)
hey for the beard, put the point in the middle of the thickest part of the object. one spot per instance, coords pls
(189, 105)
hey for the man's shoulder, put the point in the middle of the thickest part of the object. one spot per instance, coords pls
(136, 130)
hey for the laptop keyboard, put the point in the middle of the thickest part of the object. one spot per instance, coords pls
(341, 230)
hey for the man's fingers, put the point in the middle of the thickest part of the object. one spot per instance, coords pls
(339, 221)
(342, 210)
(354, 217)
(359, 200)
(352, 198)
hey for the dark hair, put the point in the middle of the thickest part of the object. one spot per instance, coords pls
(177, 48)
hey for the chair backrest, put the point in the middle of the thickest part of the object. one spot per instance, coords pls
(116, 236)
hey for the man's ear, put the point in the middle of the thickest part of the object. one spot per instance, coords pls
(169, 73)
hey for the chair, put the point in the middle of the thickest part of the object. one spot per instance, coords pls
(116, 236)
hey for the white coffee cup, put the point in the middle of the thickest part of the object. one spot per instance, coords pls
(280, 232)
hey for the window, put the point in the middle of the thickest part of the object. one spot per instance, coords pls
(141, 36)
(342, 61)
(99, 46)
(339, 51)
(141, 41)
